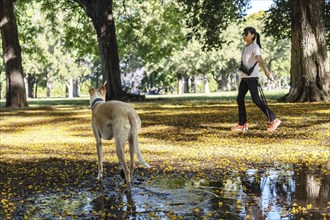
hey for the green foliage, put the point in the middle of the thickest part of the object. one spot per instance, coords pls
(44, 53)
(149, 32)
(148, 29)
(28, 26)
(209, 19)
(67, 19)
(278, 20)
(55, 50)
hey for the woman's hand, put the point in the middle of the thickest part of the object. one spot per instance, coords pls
(268, 74)
(264, 67)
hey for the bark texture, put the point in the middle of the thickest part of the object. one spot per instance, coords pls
(15, 86)
(310, 74)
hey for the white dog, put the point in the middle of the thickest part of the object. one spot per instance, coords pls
(119, 120)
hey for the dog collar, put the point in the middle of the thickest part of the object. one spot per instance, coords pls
(95, 102)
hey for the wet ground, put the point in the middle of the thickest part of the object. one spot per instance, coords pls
(199, 168)
(267, 193)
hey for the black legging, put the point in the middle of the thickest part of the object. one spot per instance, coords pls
(251, 84)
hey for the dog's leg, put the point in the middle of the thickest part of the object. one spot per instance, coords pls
(99, 153)
(131, 154)
(120, 141)
(100, 159)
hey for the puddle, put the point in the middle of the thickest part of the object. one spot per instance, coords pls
(257, 194)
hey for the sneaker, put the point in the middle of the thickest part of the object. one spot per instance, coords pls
(239, 127)
(274, 124)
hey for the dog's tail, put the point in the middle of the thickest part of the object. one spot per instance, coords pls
(136, 124)
(137, 150)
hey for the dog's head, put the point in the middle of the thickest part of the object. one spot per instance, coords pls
(97, 95)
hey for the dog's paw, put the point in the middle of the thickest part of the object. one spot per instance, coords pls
(99, 177)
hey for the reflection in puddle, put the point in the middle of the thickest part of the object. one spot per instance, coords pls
(256, 194)
(59, 205)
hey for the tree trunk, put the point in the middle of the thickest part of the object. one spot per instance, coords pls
(180, 84)
(76, 87)
(15, 91)
(225, 86)
(31, 79)
(186, 84)
(206, 83)
(0, 90)
(69, 88)
(310, 74)
(103, 21)
(48, 88)
(193, 84)
(36, 90)
(217, 77)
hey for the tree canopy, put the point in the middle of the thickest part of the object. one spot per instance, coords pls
(168, 39)
(281, 11)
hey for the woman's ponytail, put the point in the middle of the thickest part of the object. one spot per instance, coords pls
(258, 39)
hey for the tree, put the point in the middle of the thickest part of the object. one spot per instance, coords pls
(310, 68)
(102, 17)
(103, 21)
(149, 29)
(209, 19)
(55, 50)
(15, 91)
(151, 32)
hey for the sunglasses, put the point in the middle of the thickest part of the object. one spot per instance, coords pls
(245, 34)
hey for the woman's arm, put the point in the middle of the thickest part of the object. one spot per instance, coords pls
(263, 66)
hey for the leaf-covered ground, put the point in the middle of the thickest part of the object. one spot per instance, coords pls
(51, 150)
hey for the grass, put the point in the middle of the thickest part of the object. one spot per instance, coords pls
(52, 143)
(54, 102)
(173, 98)
(224, 95)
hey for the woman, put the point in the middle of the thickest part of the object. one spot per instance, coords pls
(251, 57)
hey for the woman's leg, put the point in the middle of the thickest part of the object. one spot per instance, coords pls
(253, 87)
(242, 90)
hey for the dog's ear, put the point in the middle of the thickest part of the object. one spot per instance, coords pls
(91, 90)
(102, 90)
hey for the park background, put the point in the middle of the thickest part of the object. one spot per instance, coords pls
(54, 66)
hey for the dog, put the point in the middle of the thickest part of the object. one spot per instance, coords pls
(118, 120)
